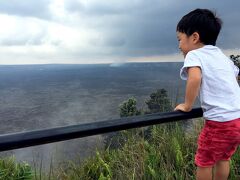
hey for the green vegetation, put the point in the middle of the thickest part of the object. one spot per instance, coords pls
(129, 108)
(168, 154)
(159, 152)
(163, 151)
(236, 60)
(159, 102)
(10, 169)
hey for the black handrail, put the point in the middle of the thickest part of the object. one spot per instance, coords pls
(38, 137)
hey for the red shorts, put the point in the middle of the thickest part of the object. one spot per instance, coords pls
(217, 141)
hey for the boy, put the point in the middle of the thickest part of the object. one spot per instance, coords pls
(213, 75)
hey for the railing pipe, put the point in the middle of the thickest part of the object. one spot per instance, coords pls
(44, 136)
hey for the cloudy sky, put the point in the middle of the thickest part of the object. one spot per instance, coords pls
(97, 31)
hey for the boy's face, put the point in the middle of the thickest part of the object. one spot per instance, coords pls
(187, 43)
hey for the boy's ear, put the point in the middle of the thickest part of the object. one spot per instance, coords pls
(196, 37)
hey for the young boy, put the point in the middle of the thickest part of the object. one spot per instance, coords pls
(212, 75)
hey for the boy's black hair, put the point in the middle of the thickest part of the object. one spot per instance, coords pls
(202, 21)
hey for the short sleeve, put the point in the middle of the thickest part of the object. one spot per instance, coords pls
(191, 60)
(235, 69)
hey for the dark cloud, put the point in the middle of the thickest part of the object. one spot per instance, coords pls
(149, 27)
(97, 8)
(108, 41)
(125, 28)
(28, 8)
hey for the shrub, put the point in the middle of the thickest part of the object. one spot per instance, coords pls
(11, 170)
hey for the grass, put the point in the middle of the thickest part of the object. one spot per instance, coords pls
(11, 170)
(167, 153)
(159, 152)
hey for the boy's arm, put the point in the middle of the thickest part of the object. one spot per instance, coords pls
(192, 89)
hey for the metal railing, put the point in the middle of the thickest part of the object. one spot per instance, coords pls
(38, 137)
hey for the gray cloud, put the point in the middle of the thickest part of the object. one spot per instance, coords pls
(73, 6)
(149, 27)
(20, 41)
(28, 8)
(24, 39)
(96, 9)
(116, 28)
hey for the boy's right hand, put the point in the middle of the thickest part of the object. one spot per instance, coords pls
(183, 107)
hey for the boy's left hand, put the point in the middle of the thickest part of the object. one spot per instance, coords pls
(183, 107)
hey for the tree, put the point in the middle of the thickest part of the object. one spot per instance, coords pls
(236, 60)
(129, 108)
(117, 139)
(159, 102)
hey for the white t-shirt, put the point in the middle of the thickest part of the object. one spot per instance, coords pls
(219, 93)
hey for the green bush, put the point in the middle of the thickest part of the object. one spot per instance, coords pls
(11, 170)
(168, 154)
(159, 152)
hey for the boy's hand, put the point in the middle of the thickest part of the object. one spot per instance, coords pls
(183, 107)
